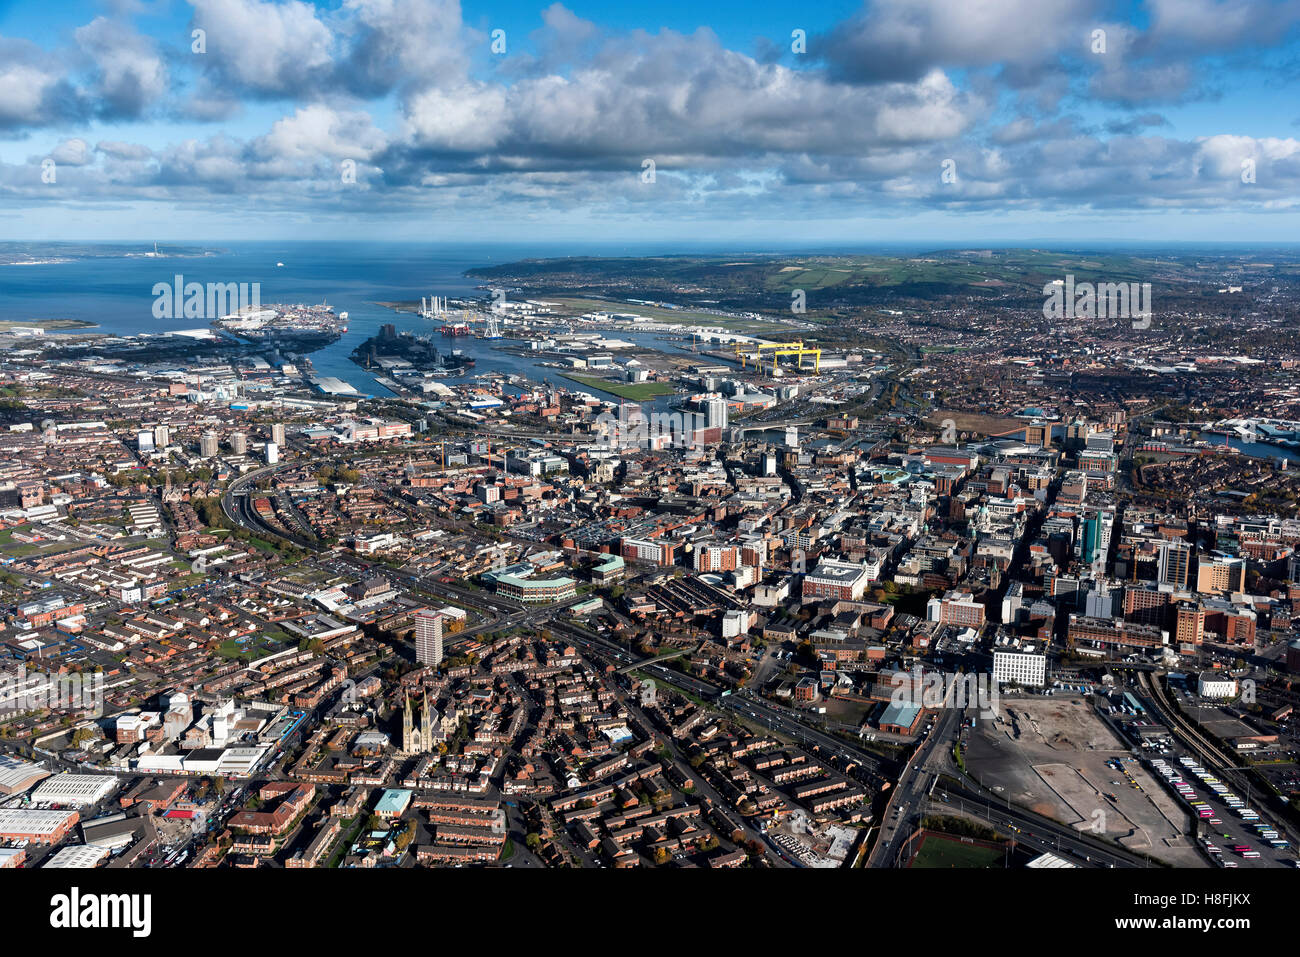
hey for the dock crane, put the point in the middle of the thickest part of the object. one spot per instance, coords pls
(797, 349)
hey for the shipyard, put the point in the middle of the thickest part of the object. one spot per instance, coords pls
(300, 327)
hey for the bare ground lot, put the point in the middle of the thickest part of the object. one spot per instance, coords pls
(1050, 754)
(976, 422)
(847, 710)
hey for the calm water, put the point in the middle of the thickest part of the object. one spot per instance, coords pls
(116, 292)
(1259, 450)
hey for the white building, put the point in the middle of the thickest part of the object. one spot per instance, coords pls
(1012, 602)
(734, 623)
(78, 790)
(1050, 861)
(715, 412)
(838, 580)
(78, 856)
(1022, 668)
(1211, 685)
(1102, 601)
(428, 637)
(222, 721)
(17, 775)
(240, 762)
(43, 827)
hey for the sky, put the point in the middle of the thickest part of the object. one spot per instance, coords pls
(770, 123)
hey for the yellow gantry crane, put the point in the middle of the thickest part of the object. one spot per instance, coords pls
(798, 349)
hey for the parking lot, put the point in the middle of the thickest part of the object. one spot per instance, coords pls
(1221, 819)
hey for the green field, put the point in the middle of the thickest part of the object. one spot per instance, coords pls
(22, 549)
(945, 852)
(259, 646)
(763, 283)
(7, 324)
(632, 391)
(16, 548)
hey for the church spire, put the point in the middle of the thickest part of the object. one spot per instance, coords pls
(408, 723)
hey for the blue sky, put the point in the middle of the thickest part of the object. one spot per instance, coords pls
(987, 120)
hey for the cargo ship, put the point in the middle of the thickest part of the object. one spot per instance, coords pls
(455, 329)
(295, 327)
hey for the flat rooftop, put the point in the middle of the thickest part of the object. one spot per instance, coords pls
(840, 572)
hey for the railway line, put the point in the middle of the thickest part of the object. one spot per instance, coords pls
(1204, 749)
(1209, 754)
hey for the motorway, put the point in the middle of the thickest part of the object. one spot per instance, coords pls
(238, 506)
(1024, 826)
(1041, 833)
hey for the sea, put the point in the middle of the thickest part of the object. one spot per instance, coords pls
(111, 285)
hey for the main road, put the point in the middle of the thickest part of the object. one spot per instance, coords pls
(909, 795)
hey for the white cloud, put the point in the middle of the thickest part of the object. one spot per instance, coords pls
(266, 48)
(863, 121)
(123, 151)
(316, 131)
(906, 39)
(72, 152)
(396, 42)
(472, 117)
(1220, 24)
(130, 75)
(24, 89)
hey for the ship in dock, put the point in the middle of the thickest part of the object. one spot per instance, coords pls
(294, 327)
(454, 319)
(398, 353)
